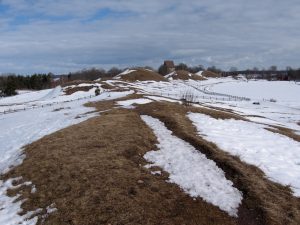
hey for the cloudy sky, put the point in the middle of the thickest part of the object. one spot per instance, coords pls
(67, 35)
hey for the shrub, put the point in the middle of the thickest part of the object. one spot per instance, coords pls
(97, 91)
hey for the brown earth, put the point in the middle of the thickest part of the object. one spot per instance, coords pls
(207, 73)
(93, 174)
(142, 75)
(185, 75)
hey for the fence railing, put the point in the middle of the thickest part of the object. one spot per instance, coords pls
(231, 97)
(195, 98)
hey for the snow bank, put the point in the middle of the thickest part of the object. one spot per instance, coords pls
(191, 170)
(276, 155)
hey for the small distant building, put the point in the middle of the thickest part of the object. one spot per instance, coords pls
(166, 68)
(169, 66)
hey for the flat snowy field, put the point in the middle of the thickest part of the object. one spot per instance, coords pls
(285, 92)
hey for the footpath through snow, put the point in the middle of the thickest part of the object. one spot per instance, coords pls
(191, 170)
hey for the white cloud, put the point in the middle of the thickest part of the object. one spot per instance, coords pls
(232, 33)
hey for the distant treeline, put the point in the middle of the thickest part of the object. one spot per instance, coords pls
(9, 83)
(294, 74)
(93, 74)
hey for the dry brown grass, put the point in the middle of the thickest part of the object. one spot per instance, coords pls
(70, 91)
(185, 75)
(93, 172)
(265, 202)
(217, 113)
(106, 86)
(143, 75)
(210, 74)
(285, 131)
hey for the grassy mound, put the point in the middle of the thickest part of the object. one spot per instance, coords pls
(210, 74)
(140, 75)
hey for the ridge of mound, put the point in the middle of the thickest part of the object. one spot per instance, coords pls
(140, 75)
(184, 75)
(207, 73)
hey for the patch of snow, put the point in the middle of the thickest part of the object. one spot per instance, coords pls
(86, 85)
(170, 74)
(51, 209)
(276, 155)
(130, 102)
(20, 92)
(191, 170)
(199, 73)
(128, 71)
(33, 189)
(9, 215)
(156, 172)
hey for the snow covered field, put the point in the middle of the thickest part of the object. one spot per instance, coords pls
(285, 92)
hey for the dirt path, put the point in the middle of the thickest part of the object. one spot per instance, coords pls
(93, 174)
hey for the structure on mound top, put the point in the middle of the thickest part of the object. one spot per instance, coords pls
(169, 65)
